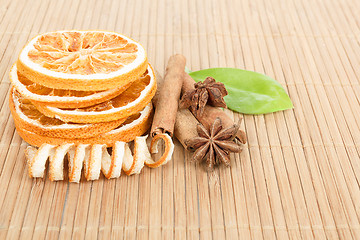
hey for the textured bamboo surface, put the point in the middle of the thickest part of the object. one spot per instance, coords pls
(298, 176)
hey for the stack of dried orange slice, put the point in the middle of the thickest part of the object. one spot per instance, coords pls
(81, 87)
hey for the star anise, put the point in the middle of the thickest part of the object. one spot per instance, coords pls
(214, 144)
(207, 92)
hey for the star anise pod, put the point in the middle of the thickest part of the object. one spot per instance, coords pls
(214, 144)
(207, 92)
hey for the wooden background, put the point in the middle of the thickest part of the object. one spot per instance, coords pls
(298, 176)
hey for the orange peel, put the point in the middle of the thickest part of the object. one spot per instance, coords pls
(56, 170)
(169, 149)
(111, 165)
(77, 157)
(37, 159)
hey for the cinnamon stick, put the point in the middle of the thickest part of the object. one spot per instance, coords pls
(185, 126)
(185, 122)
(211, 113)
(167, 99)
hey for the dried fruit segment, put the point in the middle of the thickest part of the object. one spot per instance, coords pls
(132, 100)
(28, 117)
(82, 60)
(134, 126)
(83, 53)
(60, 97)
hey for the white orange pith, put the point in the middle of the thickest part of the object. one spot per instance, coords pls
(84, 60)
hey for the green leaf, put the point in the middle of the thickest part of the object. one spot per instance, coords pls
(249, 92)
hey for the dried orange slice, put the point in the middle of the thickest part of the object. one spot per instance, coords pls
(82, 60)
(60, 97)
(27, 116)
(134, 126)
(132, 100)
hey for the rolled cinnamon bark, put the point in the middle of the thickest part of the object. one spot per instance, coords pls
(185, 126)
(211, 113)
(185, 122)
(167, 99)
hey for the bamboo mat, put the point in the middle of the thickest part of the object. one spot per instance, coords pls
(298, 176)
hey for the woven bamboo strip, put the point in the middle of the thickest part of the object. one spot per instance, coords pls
(120, 195)
(85, 192)
(14, 184)
(214, 181)
(293, 173)
(12, 194)
(347, 24)
(345, 165)
(276, 221)
(167, 201)
(289, 202)
(241, 216)
(144, 193)
(298, 175)
(23, 193)
(156, 24)
(321, 153)
(91, 223)
(3, 13)
(179, 155)
(117, 230)
(226, 186)
(339, 177)
(8, 201)
(332, 157)
(61, 190)
(70, 212)
(50, 211)
(208, 229)
(349, 61)
(15, 8)
(191, 191)
(107, 203)
(154, 204)
(309, 193)
(249, 184)
(263, 142)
